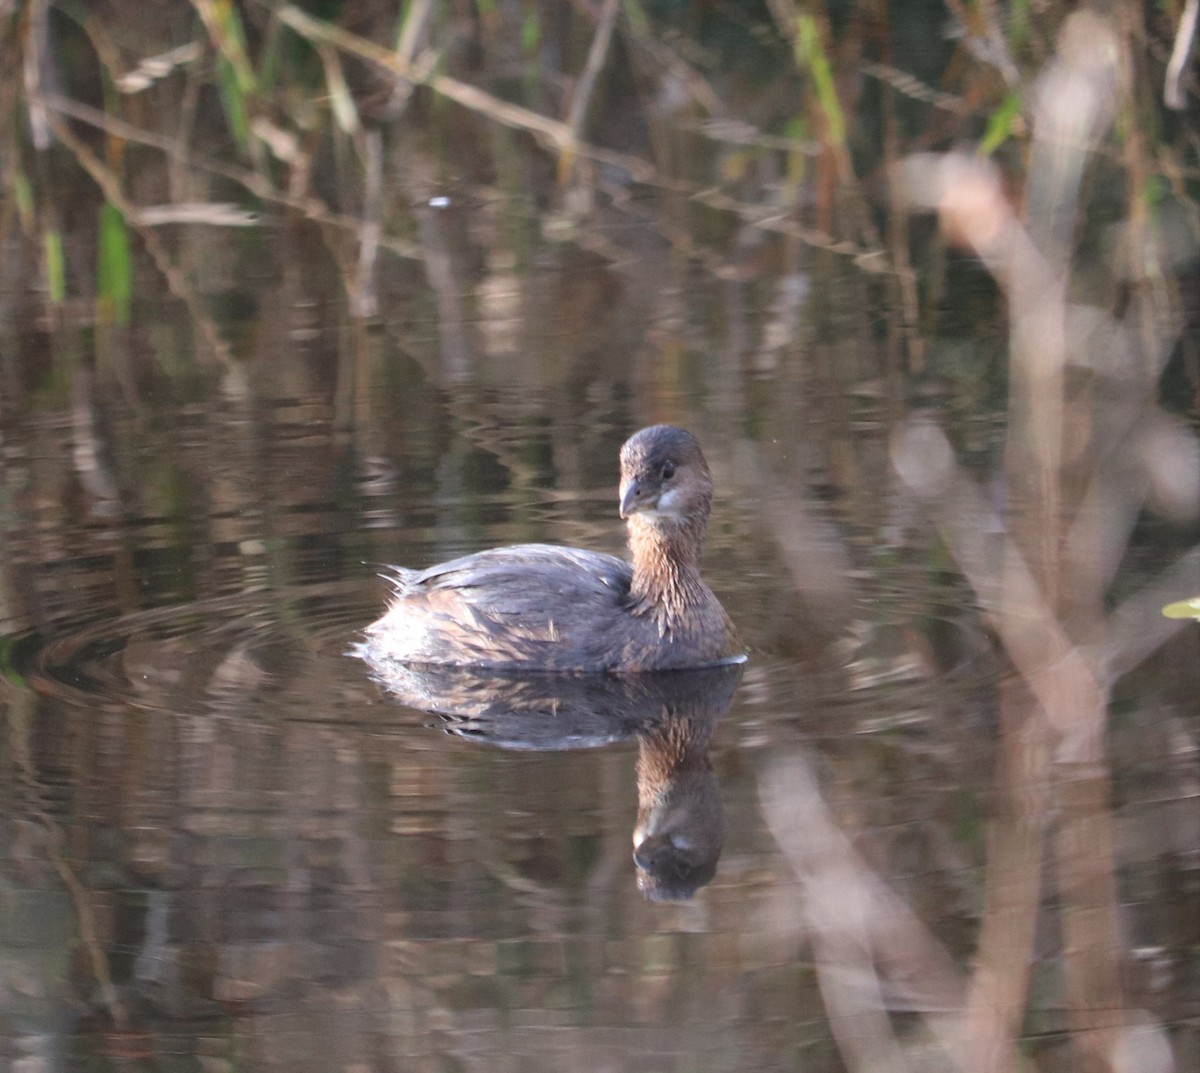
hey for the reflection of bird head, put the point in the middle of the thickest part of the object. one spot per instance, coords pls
(664, 478)
(680, 826)
(681, 822)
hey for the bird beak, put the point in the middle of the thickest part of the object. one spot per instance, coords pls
(629, 497)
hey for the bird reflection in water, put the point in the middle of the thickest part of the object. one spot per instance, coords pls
(681, 823)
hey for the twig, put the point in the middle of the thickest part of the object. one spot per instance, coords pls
(855, 923)
(471, 97)
(177, 282)
(411, 34)
(1173, 95)
(365, 299)
(37, 16)
(909, 86)
(560, 136)
(311, 207)
(596, 56)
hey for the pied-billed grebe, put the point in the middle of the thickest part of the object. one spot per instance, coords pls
(546, 608)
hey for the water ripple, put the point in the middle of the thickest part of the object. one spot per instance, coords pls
(171, 657)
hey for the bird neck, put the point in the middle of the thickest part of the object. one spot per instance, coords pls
(669, 747)
(666, 564)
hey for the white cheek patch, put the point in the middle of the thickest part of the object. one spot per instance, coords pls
(671, 503)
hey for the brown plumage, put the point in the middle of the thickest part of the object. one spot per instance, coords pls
(548, 608)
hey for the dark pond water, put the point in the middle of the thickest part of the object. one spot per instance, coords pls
(951, 797)
(226, 846)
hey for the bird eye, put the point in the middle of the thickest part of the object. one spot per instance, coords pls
(668, 470)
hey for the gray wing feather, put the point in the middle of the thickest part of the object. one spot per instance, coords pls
(517, 579)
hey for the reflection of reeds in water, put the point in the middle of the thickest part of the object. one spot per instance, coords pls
(680, 826)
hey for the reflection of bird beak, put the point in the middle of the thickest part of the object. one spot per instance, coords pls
(629, 497)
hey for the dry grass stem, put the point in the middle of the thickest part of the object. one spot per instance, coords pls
(177, 281)
(1052, 627)
(1185, 36)
(871, 950)
(597, 54)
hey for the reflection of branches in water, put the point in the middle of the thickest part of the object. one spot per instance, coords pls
(860, 931)
(1042, 584)
(58, 851)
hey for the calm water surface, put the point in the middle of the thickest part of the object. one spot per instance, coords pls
(226, 846)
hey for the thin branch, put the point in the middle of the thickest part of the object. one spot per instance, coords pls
(1173, 95)
(311, 207)
(177, 281)
(596, 56)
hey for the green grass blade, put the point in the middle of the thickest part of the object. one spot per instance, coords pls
(56, 275)
(236, 82)
(810, 53)
(233, 100)
(1000, 125)
(114, 269)
(23, 193)
(345, 113)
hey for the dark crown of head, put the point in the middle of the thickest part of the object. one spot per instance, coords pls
(658, 444)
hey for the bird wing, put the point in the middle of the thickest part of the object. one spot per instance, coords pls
(525, 578)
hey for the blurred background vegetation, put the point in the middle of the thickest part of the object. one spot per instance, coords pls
(286, 289)
(766, 132)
